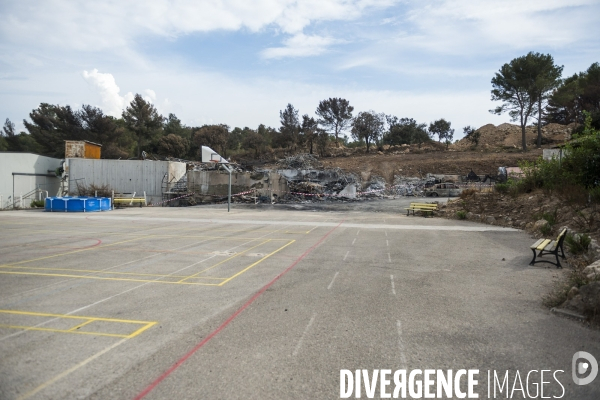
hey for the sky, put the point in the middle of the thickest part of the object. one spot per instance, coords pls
(239, 62)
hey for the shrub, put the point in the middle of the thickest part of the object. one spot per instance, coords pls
(546, 230)
(37, 203)
(502, 187)
(578, 244)
(461, 214)
(467, 192)
(551, 217)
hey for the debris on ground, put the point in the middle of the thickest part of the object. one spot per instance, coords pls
(300, 161)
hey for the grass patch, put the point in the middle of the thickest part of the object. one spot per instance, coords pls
(461, 214)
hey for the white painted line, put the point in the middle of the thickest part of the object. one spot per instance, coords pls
(393, 286)
(387, 243)
(303, 335)
(385, 233)
(348, 252)
(353, 241)
(389, 257)
(331, 283)
(401, 346)
(357, 232)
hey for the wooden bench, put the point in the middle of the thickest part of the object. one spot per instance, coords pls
(425, 208)
(120, 201)
(549, 246)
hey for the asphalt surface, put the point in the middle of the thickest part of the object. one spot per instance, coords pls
(270, 302)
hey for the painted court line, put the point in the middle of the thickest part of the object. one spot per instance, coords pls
(70, 370)
(131, 289)
(401, 345)
(331, 283)
(183, 359)
(75, 329)
(297, 349)
(353, 241)
(348, 252)
(393, 286)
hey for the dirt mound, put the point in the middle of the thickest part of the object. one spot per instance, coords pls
(508, 136)
(413, 162)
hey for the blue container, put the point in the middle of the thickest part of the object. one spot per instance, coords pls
(77, 204)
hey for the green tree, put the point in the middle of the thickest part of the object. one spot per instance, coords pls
(547, 79)
(443, 130)
(310, 131)
(254, 141)
(213, 136)
(576, 94)
(10, 140)
(404, 131)
(290, 126)
(322, 141)
(173, 145)
(173, 125)
(143, 120)
(368, 126)
(472, 135)
(335, 114)
(519, 85)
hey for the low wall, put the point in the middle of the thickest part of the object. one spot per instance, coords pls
(208, 185)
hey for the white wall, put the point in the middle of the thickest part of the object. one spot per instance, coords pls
(124, 176)
(26, 163)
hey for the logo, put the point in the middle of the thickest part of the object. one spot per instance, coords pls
(584, 363)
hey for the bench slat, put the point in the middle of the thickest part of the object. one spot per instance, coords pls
(536, 244)
(543, 245)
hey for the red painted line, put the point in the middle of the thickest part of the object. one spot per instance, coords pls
(183, 359)
(94, 245)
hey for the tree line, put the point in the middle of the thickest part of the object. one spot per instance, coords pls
(142, 129)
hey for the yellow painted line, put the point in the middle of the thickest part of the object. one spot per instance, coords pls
(225, 260)
(39, 314)
(70, 370)
(81, 325)
(32, 328)
(301, 232)
(92, 271)
(107, 279)
(76, 251)
(87, 320)
(256, 263)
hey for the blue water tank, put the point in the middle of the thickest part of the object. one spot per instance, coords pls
(77, 204)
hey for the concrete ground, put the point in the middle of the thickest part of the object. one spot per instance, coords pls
(270, 302)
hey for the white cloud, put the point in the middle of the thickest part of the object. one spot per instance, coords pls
(115, 24)
(112, 102)
(468, 27)
(300, 45)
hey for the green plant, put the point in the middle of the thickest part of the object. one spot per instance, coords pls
(37, 203)
(461, 214)
(546, 229)
(551, 217)
(502, 187)
(578, 244)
